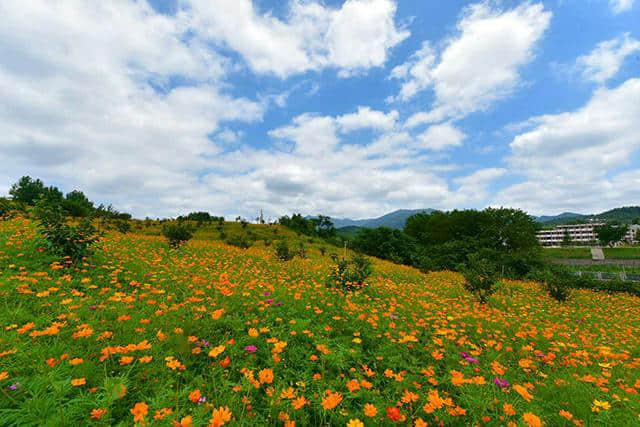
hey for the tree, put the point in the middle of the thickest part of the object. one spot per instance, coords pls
(506, 236)
(324, 227)
(27, 190)
(479, 277)
(609, 234)
(566, 239)
(77, 204)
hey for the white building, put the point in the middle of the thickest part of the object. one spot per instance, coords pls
(580, 234)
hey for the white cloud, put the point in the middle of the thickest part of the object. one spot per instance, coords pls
(573, 160)
(479, 65)
(441, 136)
(605, 60)
(366, 118)
(352, 38)
(78, 106)
(619, 6)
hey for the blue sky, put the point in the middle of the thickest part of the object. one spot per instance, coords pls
(349, 108)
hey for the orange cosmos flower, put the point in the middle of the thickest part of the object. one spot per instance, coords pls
(220, 416)
(531, 420)
(331, 400)
(98, 413)
(265, 376)
(195, 395)
(184, 422)
(216, 351)
(393, 413)
(298, 402)
(522, 391)
(77, 382)
(355, 423)
(370, 410)
(139, 411)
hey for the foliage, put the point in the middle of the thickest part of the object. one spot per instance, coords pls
(320, 226)
(609, 234)
(141, 330)
(480, 276)
(282, 251)
(240, 241)
(349, 274)
(123, 226)
(70, 242)
(566, 239)
(27, 190)
(507, 236)
(202, 216)
(77, 204)
(386, 243)
(177, 233)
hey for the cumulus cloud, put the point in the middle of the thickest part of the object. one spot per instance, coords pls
(619, 6)
(365, 118)
(352, 38)
(440, 137)
(574, 159)
(604, 61)
(476, 67)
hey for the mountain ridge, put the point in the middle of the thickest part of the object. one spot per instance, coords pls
(398, 218)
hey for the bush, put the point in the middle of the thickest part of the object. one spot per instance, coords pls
(123, 226)
(322, 250)
(302, 251)
(556, 285)
(177, 233)
(239, 241)
(479, 277)
(66, 241)
(349, 274)
(282, 251)
(8, 207)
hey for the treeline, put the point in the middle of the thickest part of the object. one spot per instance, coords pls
(320, 226)
(447, 241)
(29, 192)
(201, 216)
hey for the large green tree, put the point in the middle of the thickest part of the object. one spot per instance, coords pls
(609, 234)
(27, 190)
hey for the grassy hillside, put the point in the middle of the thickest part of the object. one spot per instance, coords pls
(209, 333)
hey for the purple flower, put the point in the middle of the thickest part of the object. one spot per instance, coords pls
(13, 386)
(202, 400)
(266, 294)
(466, 356)
(279, 303)
(501, 382)
(251, 349)
(205, 343)
(270, 301)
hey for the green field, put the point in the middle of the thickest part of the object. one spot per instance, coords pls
(585, 253)
(210, 334)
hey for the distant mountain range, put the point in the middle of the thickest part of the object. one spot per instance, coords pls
(397, 219)
(624, 215)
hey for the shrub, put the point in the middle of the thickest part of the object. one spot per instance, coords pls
(123, 226)
(239, 241)
(322, 250)
(479, 277)
(282, 251)
(302, 251)
(64, 240)
(177, 233)
(349, 274)
(556, 285)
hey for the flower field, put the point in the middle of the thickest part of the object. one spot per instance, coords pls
(209, 334)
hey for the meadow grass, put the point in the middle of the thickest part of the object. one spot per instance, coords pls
(209, 334)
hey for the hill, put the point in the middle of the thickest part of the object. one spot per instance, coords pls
(209, 334)
(395, 219)
(625, 215)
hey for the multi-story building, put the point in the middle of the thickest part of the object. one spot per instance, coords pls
(579, 234)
